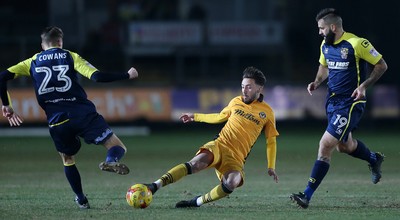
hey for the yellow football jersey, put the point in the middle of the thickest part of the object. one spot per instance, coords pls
(244, 124)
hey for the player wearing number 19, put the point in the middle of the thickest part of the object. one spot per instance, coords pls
(344, 59)
(70, 115)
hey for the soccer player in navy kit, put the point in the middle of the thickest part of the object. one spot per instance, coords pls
(344, 59)
(70, 115)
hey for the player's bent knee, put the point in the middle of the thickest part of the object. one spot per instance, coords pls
(230, 185)
(67, 160)
(232, 181)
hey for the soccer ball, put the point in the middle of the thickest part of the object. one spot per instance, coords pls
(139, 196)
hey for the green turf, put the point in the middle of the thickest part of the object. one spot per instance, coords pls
(33, 185)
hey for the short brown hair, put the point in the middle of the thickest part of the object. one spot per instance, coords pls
(52, 34)
(256, 74)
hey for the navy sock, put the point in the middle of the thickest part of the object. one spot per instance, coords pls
(74, 179)
(114, 154)
(318, 173)
(363, 153)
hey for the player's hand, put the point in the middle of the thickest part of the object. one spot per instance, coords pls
(359, 93)
(13, 118)
(187, 117)
(311, 87)
(133, 73)
(271, 172)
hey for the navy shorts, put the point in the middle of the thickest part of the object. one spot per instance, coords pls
(92, 128)
(344, 116)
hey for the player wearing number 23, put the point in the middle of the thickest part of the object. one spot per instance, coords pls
(351, 64)
(55, 73)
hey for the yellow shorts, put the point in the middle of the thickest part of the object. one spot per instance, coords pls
(224, 160)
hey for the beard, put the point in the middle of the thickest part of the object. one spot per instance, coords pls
(249, 99)
(330, 38)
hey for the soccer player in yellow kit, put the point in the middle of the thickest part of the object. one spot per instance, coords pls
(246, 117)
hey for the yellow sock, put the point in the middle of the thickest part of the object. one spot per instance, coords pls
(215, 194)
(174, 174)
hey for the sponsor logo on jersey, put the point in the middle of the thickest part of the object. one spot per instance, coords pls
(262, 115)
(373, 52)
(337, 65)
(339, 131)
(248, 116)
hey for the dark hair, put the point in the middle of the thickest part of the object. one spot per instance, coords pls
(329, 15)
(52, 34)
(254, 73)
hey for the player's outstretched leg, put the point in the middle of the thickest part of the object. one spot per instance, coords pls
(188, 203)
(172, 176)
(114, 167)
(218, 192)
(375, 168)
(301, 199)
(152, 187)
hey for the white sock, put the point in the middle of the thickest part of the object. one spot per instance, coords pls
(199, 201)
(158, 183)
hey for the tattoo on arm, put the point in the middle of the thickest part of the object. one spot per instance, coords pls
(376, 73)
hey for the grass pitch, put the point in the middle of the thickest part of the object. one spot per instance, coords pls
(33, 185)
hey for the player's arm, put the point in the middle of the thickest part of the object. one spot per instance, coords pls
(20, 69)
(367, 52)
(110, 77)
(271, 157)
(271, 133)
(212, 118)
(4, 77)
(216, 118)
(321, 76)
(89, 71)
(271, 152)
(7, 110)
(379, 69)
(322, 72)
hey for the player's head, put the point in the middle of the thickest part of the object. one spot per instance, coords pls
(52, 37)
(252, 84)
(330, 24)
